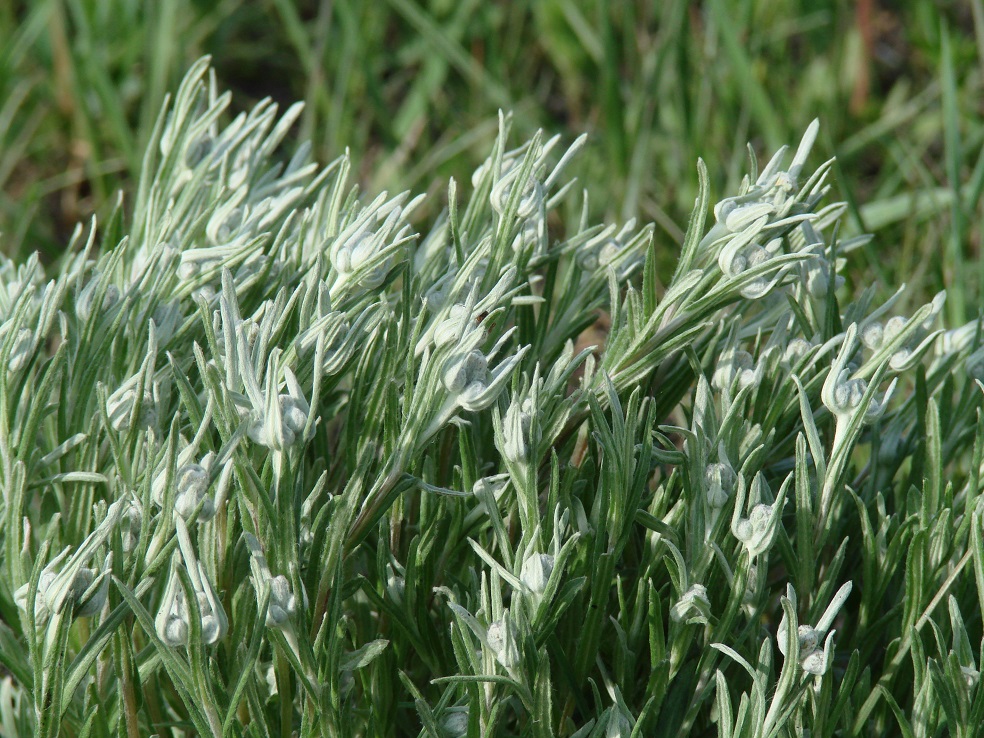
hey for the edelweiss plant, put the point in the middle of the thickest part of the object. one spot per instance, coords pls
(277, 458)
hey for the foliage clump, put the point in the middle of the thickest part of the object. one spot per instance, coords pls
(272, 460)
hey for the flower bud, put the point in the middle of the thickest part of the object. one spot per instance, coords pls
(693, 605)
(454, 724)
(536, 572)
(22, 351)
(45, 582)
(283, 604)
(720, 479)
(734, 366)
(462, 371)
(120, 406)
(193, 484)
(84, 304)
(970, 675)
(89, 591)
(501, 638)
(814, 659)
(360, 253)
(516, 430)
(264, 427)
(894, 326)
(175, 631)
(130, 527)
(795, 349)
(171, 622)
(451, 328)
(873, 335)
(530, 200)
(294, 413)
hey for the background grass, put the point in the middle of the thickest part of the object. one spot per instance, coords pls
(412, 88)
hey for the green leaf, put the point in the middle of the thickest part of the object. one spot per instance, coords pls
(364, 655)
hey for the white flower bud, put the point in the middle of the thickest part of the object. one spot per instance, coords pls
(516, 430)
(873, 335)
(207, 293)
(197, 149)
(819, 275)
(970, 675)
(454, 326)
(956, 339)
(175, 631)
(294, 409)
(720, 479)
(41, 611)
(693, 605)
(188, 269)
(723, 208)
(898, 360)
(808, 638)
(212, 629)
(843, 395)
(193, 484)
(734, 365)
(89, 591)
(225, 224)
(214, 621)
(609, 252)
(294, 412)
(536, 572)
(22, 351)
(120, 406)
(461, 371)
(171, 622)
(894, 327)
(758, 531)
(454, 724)
(480, 172)
(530, 200)
(360, 253)
(795, 349)
(814, 659)
(587, 260)
(848, 392)
(501, 637)
(283, 604)
(130, 527)
(80, 583)
(84, 305)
